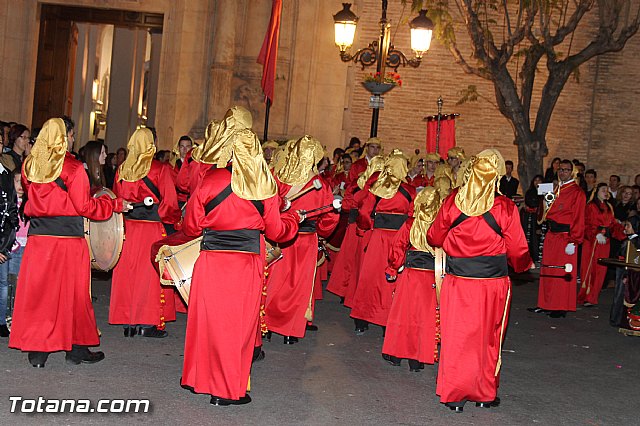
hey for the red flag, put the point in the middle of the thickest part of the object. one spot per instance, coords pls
(269, 52)
(447, 135)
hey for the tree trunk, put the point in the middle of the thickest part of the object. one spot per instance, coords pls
(530, 156)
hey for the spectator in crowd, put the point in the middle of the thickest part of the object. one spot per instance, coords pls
(8, 226)
(110, 168)
(590, 179)
(121, 155)
(354, 143)
(95, 155)
(337, 154)
(508, 184)
(624, 203)
(552, 172)
(163, 156)
(614, 184)
(636, 191)
(636, 180)
(529, 217)
(580, 176)
(19, 137)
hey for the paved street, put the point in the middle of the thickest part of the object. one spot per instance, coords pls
(577, 370)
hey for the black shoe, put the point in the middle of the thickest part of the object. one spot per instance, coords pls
(130, 331)
(4, 330)
(268, 336)
(311, 327)
(558, 314)
(537, 310)
(494, 403)
(82, 354)
(290, 340)
(415, 366)
(395, 361)
(258, 354)
(457, 406)
(38, 359)
(153, 332)
(215, 400)
(342, 300)
(361, 326)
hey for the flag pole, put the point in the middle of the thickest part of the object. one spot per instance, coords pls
(266, 120)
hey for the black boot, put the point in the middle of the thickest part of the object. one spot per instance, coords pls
(153, 332)
(494, 403)
(361, 326)
(130, 331)
(415, 366)
(395, 361)
(216, 400)
(4, 330)
(457, 406)
(290, 340)
(81, 354)
(38, 359)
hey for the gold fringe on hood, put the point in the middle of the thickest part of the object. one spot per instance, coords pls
(250, 175)
(44, 163)
(301, 158)
(392, 175)
(425, 207)
(376, 164)
(476, 196)
(141, 151)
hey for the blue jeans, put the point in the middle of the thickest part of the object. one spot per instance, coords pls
(11, 266)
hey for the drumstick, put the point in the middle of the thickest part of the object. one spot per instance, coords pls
(317, 185)
(567, 267)
(336, 204)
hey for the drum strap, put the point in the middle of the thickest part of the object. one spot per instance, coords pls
(488, 217)
(215, 202)
(61, 184)
(152, 187)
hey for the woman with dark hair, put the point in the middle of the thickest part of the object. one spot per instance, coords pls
(552, 172)
(95, 155)
(627, 290)
(19, 143)
(600, 227)
(529, 217)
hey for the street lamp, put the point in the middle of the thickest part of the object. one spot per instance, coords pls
(381, 52)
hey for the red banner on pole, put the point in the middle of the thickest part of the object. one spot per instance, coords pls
(447, 138)
(269, 53)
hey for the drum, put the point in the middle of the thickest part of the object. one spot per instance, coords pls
(104, 237)
(273, 253)
(177, 262)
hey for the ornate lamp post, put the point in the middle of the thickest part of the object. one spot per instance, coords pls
(381, 52)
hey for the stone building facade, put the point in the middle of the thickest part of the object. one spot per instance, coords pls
(208, 63)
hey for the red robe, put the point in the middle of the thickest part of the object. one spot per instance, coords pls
(556, 292)
(421, 181)
(599, 219)
(372, 299)
(53, 308)
(136, 294)
(474, 311)
(411, 327)
(224, 303)
(344, 276)
(290, 282)
(356, 170)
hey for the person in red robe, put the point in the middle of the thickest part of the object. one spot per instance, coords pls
(600, 227)
(177, 158)
(138, 301)
(53, 310)
(481, 234)
(289, 304)
(232, 208)
(385, 208)
(565, 218)
(347, 262)
(412, 324)
(372, 148)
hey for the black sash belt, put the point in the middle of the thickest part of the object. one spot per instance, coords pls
(247, 240)
(353, 215)
(59, 226)
(419, 260)
(307, 226)
(148, 213)
(557, 227)
(478, 267)
(389, 221)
